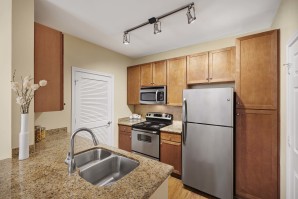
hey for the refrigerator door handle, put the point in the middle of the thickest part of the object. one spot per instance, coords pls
(184, 120)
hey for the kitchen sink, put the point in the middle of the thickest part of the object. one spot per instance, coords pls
(91, 156)
(103, 167)
(109, 170)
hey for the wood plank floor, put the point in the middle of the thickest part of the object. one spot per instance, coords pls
(177, 191)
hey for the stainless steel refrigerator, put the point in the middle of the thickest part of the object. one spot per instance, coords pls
(207, 140)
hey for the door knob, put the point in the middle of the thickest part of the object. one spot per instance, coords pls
(109, 123)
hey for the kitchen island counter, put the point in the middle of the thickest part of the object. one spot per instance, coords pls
(44, 174)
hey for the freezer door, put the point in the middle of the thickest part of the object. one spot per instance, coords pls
(209, 106)
(207, 159)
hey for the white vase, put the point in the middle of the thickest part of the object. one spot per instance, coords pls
(24, 138)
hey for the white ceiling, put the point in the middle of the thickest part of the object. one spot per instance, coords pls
(103, 22)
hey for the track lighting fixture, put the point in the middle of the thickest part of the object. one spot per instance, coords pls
(157, 27)
(126, 38)
(191, 17)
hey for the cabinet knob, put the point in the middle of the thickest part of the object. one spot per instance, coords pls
(237, 114)
(238, 102)
(207, 78)
(210, 78)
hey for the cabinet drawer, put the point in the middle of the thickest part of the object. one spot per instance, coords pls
(123, 128)
(171, 137)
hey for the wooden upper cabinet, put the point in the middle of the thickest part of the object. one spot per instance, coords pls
(176, 80)
(133, 84)
(222, 65)
(159, 73)
(256, 71)
(197, 68)
(146, 74)
(256, 154)
(154, 74)
(213, 66)
(48, 65)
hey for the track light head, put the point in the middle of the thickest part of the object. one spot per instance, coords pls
(126, 38)
(191, 18)
(157, 27)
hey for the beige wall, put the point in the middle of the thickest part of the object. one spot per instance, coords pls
(212, 45)
(5, 76)
(85, 55)
(287, 21)
(22, 59)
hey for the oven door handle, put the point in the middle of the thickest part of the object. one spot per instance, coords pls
(144, 131)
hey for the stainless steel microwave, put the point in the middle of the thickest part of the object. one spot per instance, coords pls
(153, 95)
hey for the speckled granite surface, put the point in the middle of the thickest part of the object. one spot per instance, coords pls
(176, 127)
(126, 121)
(44, 174)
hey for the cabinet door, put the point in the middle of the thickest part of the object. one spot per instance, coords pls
(170, 153)
(256, 71)
(197, 68)
(222, 65)
(125, 141)
(176, 80)
(256, 154)
(133, 85)
(48, 65)
(146, 75)
(159, 73)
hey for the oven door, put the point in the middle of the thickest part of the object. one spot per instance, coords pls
(145, 142)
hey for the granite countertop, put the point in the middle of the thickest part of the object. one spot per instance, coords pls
(44, 174)
(176, 127)
(128, 122)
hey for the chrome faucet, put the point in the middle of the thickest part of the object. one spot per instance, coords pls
(70, 156)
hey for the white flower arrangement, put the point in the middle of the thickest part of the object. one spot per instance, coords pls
(25, 91)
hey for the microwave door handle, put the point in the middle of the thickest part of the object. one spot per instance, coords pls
(156, 95)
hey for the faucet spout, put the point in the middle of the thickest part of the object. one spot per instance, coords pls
(70, 156)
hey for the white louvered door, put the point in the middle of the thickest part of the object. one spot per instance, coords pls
(93, 105)
(292, 135)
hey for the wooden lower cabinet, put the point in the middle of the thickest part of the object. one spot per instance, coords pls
(256, 154)
(125, 138)
(170, 151)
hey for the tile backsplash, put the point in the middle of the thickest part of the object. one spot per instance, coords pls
(175, 110)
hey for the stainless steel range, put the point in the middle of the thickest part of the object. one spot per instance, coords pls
(145, 135)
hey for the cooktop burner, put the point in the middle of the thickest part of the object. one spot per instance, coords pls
(150, 125)
(155, 121)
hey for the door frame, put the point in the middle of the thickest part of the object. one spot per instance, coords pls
(75, 69)
(288, 123)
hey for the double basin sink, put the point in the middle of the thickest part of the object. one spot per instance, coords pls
(103, 167)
